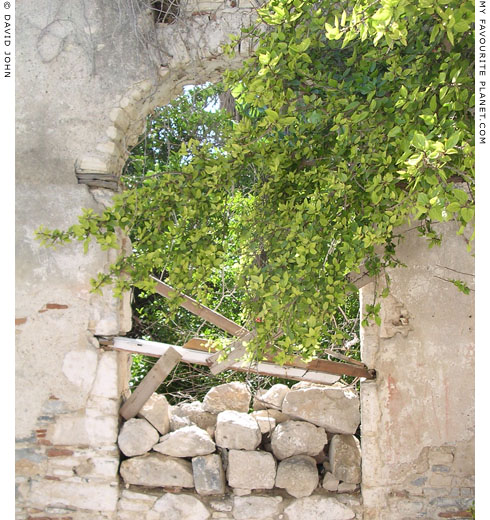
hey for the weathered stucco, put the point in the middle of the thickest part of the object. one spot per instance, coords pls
(86, 77)
(418, 415)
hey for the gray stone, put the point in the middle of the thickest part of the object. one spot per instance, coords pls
(345, 487)
(196, 414)
(177, 422)
(297, 438)
(156, 412)
(345, 458)
(318, 508)
(189, 441)
(274, 397)
(230, 396)
(251, 469)
(266, 424)
(278, 416)
(298, 475)
(330, 483)
(137, 436)
(255, 508)
(209, 477)
(335, 409)
(181, 507)
(157, 470)
(236, 430)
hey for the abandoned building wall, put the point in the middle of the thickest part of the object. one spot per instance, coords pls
(87, 76)
(418, 422)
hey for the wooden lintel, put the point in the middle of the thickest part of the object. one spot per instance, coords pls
(160, 370)
(239, 349)
(202, 311)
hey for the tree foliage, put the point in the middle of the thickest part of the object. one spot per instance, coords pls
(356, 119)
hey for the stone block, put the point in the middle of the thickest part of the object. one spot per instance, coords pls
(106, 379)
(230, 396)
(345, 458)
(83, 430)
(297, 438)
(79, 367)
(298, 475)
(274, 397)
(181, 507)
(318, 508)
(251, 469)
(157, 470)
(236, 430)
(209, 477)
(137, 436)
(256, 507)
(196, 414)
(278, 416)
(83, 495)
(330, 483)
(334, 408)
(266, 424)
(189, 441)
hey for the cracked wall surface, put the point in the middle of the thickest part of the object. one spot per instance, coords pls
(418, 415)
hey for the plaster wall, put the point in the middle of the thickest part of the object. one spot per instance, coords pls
(87, 77)
(418, 415)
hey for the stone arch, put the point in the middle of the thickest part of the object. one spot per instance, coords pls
(193, 50)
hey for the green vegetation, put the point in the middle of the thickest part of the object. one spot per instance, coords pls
(356, 119)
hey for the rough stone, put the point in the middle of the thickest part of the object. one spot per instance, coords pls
(230, 396)
(277, 415)
(236, 430)
(335, 409)
(189, 441)
(83, 430)
(266, 424)
(345, 487)
(137, 436)
(274, 397)
(257, 403)
(181, 507)
(196, 414)
(318, 508)
(106, 383)
(298, 475)
(157, 470)
(255, 507)
(251, 469)
(297, 438)
(345, 458)
(330, 483)
(177, 422)
(209, 477)
(157, 412)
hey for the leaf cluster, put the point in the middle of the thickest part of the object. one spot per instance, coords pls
(356, 120)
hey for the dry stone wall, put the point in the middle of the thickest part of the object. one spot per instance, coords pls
(295, 457)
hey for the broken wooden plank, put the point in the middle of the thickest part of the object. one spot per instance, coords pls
(313, 371)
(155, 349)
(160, 370)
(202, 311)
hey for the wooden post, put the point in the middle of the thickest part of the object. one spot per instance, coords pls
(161, 369)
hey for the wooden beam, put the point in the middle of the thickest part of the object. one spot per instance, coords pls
(202, 311)
(160, 370)
(155, 349)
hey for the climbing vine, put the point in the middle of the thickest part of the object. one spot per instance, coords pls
(356, 119)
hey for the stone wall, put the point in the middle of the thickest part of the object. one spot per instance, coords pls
(295, 456)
